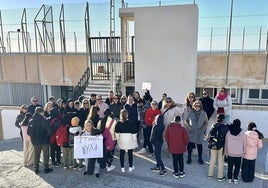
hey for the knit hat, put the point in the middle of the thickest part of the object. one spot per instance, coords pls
(75, 121)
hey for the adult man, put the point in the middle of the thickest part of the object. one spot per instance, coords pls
(34, 105)
(39, 131)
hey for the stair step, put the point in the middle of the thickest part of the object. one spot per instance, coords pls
(98, 87)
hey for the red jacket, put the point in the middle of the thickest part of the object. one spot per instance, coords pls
(150, 115)
(177, 138)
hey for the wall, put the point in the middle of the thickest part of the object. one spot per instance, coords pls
(165, 48)
(47, 69)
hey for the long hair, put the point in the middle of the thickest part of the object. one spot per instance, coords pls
(86, 122)
(123, 115)
(93, 112)
(252, 127)
(107, 113)
(187, 101)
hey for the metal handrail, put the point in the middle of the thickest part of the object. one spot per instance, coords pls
(79, 89)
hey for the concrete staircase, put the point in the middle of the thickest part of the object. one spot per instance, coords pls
(99, 87)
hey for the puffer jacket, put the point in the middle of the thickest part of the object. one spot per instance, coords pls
(234, 144)
(252, 144)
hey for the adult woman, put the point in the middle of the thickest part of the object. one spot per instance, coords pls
(189, 101)
(116, 106)
(126, 135)
(20, 117)
(197, 123)
(83, 112)
(223, 104)
(170, 111)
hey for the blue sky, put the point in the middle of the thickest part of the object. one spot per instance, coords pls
(252, 14)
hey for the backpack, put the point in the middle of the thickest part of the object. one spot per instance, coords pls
(52, 138)
(108, 139)
(217, 137)
(62, 136)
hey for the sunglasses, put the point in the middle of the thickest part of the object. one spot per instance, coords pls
(24, 108)
(115, 98)
(34, 100)
(191, 97)
(154, 104)
(85, 103)
(168, 101)
(204, 93)
(197, 106)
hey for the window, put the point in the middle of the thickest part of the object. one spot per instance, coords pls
(233, 93)
(254, 93)
(264, 94)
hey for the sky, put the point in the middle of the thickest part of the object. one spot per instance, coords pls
(252, 14)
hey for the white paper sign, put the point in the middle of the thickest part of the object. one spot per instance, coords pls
(146, 85)
(88, 147)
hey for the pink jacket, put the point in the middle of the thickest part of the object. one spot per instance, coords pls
(234, 145)
(252, 144)
(24, 133)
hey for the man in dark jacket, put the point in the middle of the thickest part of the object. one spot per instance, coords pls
(39, 131)
(34, 105)
(207, 104)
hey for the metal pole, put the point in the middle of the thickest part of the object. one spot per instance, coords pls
(243, 41)
(260, 39)
(229, 42)
(211, 33)
(266, 64)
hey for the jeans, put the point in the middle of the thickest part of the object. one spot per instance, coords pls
(233, 162)
(212, 162)
(147, 134)
(178, 158)
(130, 157)
(157, 153)
(37, 152)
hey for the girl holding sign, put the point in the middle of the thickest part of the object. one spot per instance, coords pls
(92, 165)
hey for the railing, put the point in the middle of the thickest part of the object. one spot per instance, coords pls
(129, 72)
(79, 89)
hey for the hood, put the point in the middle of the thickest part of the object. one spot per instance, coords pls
(74, 129)
(252, 134)
(37, 117)
(234, 131)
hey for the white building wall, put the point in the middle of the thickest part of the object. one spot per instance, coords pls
(166, 49)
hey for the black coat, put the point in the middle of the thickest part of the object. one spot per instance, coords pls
(207, 104)
(39, 130)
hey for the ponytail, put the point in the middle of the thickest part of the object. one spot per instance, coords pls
(252, 127)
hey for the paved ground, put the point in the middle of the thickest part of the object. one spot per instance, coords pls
(13, 174)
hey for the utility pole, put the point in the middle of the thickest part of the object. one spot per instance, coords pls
(112, 43)
(229, 43)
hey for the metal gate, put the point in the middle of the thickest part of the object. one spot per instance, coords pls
(103, 63)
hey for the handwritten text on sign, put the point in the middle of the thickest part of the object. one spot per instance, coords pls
(88, 147)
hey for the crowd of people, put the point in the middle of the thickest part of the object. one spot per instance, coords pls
(129, 122)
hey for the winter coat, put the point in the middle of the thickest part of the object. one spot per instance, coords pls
(234, 144)
(108, 122)
(132, 112)
(115, 109)
(177, 138)
(32, 108)
(157, 132)
(197, 125)
(126, 135)
(170, 114)
(19, 119)
(82, 115)
(150, 115)
(39, 130)
(207, 104)
(73, 131)
(226, 104)
(251, 145)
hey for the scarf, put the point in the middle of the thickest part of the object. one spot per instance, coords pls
(222, 97)
(197, 118)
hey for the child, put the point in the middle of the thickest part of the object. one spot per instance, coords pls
(253, 142)
(126, 135)
(177, 139)
(157, 140)
(92, 165)
(28, 149)
(234, 149)
(74, 130)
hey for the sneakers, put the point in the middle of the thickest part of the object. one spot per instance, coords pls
(75, 167)
(155, 169)
(210, 177)
(176, 175)
(97, 175)
(163, 172)
(235, 181)
(123, 169)
(151, 155)
(85, 173)
(65, 167)
(141, 151)
(201, 162)
(110, 168)
(229, 180)
(81, 167)
(221, 179)
(36, 171)
(130, 169)
(47, 170)
(182, 174)
(189, 161)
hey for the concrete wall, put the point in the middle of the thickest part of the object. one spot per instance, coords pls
(47, 69)
(165, 48)
(245, 70)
